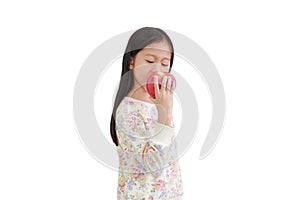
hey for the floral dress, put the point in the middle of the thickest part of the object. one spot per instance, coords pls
(148, 165)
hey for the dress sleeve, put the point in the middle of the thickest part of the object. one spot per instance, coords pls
(156, 140)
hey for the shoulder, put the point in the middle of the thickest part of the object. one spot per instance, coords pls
(131, 108)
(131, 105)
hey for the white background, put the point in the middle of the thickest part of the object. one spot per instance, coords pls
(255, 46)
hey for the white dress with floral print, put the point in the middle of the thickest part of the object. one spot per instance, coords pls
(148, 165)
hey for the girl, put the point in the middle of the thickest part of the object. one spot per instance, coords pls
(141, 126)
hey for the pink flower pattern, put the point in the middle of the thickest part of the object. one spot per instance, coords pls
(148, 170)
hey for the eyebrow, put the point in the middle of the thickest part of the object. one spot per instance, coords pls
(156, 56)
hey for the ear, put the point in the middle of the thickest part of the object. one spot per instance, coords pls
(131, 63)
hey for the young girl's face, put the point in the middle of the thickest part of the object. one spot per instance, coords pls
(154, 57)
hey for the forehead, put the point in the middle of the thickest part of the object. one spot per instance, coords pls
(158, 48)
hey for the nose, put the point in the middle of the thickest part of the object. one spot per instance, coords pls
(156, 67)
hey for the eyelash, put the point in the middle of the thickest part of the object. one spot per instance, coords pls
(153, 62)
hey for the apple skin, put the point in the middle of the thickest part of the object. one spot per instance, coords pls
(150, 81)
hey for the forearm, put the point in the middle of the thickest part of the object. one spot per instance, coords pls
(165, 119)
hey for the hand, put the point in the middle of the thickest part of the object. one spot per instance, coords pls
(164, 99)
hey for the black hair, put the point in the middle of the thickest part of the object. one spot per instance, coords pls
(138, 40)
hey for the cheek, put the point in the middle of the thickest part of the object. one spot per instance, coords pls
(142, 74)
(165, 69)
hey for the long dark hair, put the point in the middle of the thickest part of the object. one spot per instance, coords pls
(138, 40)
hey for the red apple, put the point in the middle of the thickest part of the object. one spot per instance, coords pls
(150, 81)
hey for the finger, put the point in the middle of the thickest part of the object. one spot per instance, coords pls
(173, 85)
(169, 83)
(156, 89)
(164, 83)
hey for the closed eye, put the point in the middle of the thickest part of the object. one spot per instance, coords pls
(149, 61)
